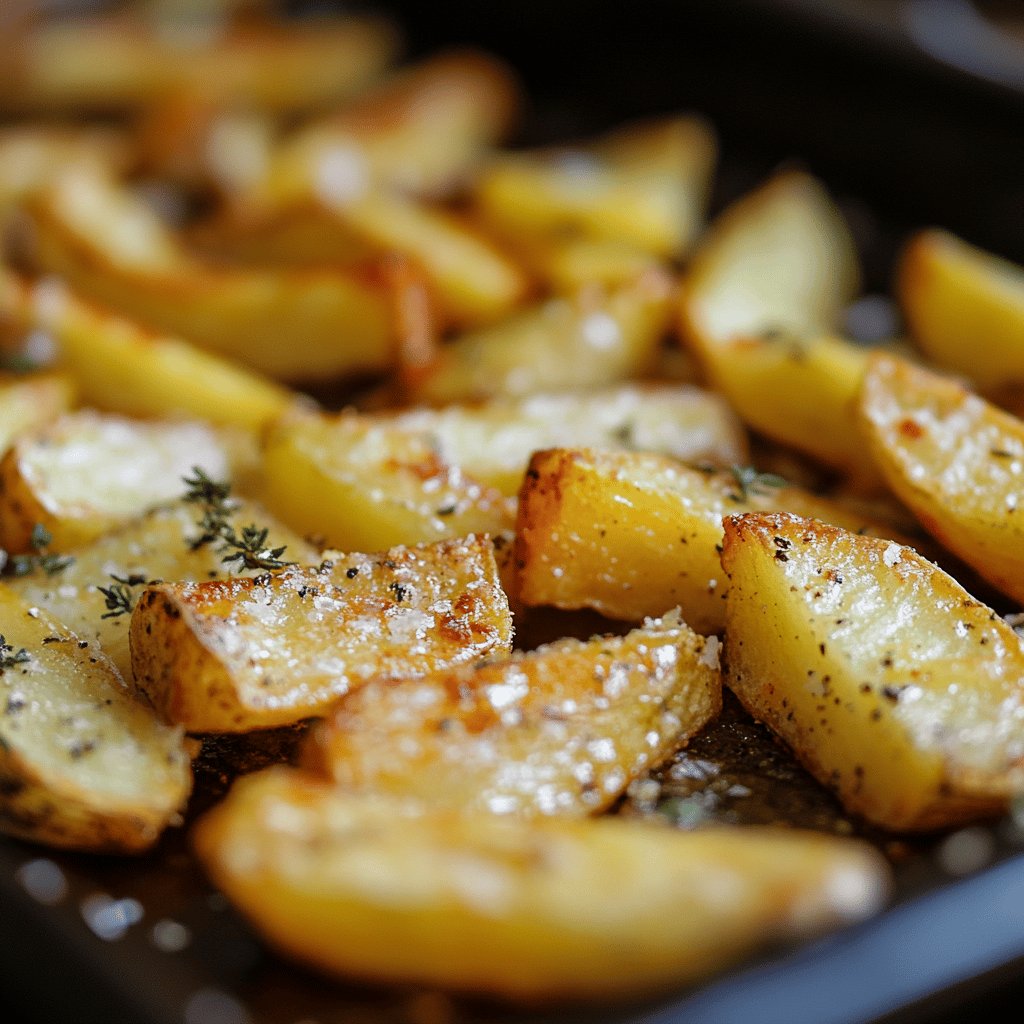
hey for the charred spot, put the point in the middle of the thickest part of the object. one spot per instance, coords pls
(351, 573)
(911, 428)
(170, 610)
(892, 693)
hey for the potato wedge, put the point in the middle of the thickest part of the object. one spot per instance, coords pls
(28, 401)
(126, 62)
(955, 460)
(644, 185)
(632, 534)
(965, 307)
(85, 474)
(421, 132)
(561, 730)
(82, 763)
(493, 441)
(364, 887)
(567, 265)
(121, 367)
(294, 325)
(588, 341)
(159, 545)
(241, 654)
(890, 682)
(364, 485)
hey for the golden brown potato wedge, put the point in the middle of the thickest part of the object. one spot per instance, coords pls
(126, 62)
(121, 367)
(964, 307)
(242, 654)
(583, 342)
(890, 682)
(160, 545)
(644, 185)
(297, 324)
(85, 474)
(364, 887)
(493, 441)
(363, 484)
(566, 265)
(954, 460)
(561, 730)
(421, 132)
(632, 534)
(82, 763)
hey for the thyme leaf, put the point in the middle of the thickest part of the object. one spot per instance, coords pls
(43, 558)
(9, 657)
(751, 483)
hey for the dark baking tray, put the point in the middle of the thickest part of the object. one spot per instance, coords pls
(905, 139)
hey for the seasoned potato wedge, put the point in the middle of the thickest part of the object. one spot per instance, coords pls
(159, 545)
(561, 730)
(363, 485)
(566, 265)
(540, 910)
(954, 460)
(965, 307)
(493, 441)
(86, 473)
(294, 325)
(126, 62)
(28, 401)
(588, 341)
(421, 132)
(890, 682)
(82, 763)
(122, 367)
(241, 654)
(645, 185)
(632, 534)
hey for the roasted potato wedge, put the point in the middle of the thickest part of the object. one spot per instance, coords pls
(160, 545)
(964, 307)
(567, 265)
(421, 132)
(632, 534)
(294, 325)
(561, 730)
(493, 441)
(365, 887)
(28, 401)
(82, 763)
(126, 62)
(85, 474)
(645, 185)
(242, 654)
(954, 460)
(591, 340)
(122, 367)
(365, 484)
(890, 682)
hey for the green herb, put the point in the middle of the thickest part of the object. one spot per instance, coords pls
(43, 558)
(250, 550)
(751, 482)
(9, 657)
(119, 597)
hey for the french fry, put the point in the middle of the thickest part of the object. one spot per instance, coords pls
(367, 888)
(82, 763)
(242, 654)
(890, 682)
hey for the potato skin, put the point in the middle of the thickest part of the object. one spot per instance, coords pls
(891, 684)
(370, 888)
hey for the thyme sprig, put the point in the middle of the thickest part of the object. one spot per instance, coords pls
(752, 483)
(119, 597)
(42, 557)
(9, 657)
(249, 549)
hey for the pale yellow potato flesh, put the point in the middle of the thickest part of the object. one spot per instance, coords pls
(125, 62)
(159, 545)
(493, 441)
(964, 307)
(567, 265)
(28, 401)
(633, 534)
(87, 473)
(645, 185)
(83, 764)
(367, 888)
(561, 730)
(241, 654)
(591, 340)
(954, 460)
(361, 484)
(891, 684)
(290, 324)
